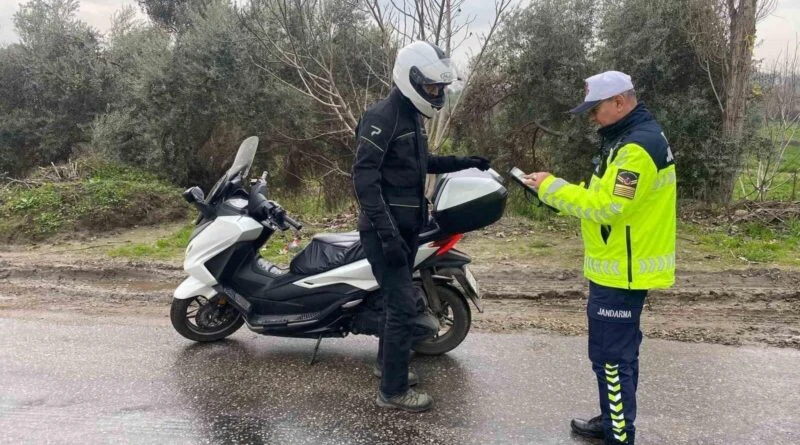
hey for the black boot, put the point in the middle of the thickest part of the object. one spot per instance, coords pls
(592, 428)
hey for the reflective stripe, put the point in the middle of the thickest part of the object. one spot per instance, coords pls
(602, 266)
(665, 179)
(402, 136)
(557, 184)
(615, 402)
(622, 156)
(657, 264)
(380, 191)
(373, 144)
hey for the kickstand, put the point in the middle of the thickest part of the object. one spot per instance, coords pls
(316, 349)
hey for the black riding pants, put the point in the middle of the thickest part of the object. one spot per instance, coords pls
(399, 308)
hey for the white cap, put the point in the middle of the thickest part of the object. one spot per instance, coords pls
(602, 86)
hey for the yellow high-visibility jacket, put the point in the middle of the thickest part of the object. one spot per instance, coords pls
(628, 212)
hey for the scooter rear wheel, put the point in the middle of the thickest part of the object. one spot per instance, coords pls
(205, 320)
(455, 320)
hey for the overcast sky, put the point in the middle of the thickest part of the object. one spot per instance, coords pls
(774, 33)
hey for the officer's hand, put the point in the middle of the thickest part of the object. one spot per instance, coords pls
(478, 162)
(535, 179)
(395, 251)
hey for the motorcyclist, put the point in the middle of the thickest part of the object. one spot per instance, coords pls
(389, 174)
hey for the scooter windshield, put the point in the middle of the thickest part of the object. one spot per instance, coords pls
(241, 165)
(244, 157)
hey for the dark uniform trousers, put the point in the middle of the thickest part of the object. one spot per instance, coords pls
(399, 308)
(614, 339)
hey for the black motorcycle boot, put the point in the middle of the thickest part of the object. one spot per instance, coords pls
(413, 378)
(592, 428)
(410, 401)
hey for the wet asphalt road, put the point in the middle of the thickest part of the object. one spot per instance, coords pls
(98, 382)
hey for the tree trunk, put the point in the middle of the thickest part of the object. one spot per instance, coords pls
(738, 67)
(448, 23)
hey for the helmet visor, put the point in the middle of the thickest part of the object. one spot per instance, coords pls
(441, 71)
(431, 80)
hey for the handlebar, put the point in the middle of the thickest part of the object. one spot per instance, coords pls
(262, 208)
(292, 222)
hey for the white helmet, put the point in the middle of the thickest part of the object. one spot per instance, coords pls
(422, 63)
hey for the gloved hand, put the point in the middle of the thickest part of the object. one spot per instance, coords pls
(478, 162)
(395, 251)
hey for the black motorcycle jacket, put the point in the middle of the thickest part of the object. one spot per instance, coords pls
(392, 160)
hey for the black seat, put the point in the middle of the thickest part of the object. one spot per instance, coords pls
(327, 251)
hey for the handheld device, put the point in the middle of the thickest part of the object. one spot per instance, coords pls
(517, 175)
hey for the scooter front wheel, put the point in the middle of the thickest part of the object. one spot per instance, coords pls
(203, 319)
(455, 319)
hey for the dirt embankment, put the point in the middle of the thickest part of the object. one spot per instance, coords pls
(751, 306)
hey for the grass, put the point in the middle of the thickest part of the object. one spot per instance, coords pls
(109, 197)
(115, 197)
(737, 244)
(517, 238)
(279, 249)
(168, 247)
(791, 158)
(785, 185)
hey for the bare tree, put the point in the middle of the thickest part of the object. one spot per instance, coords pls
(322, 50)
(305, 44)
(780, 113)
(723, 33)
(441, 125)
(440, 22)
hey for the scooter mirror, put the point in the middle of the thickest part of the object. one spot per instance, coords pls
(194, 194)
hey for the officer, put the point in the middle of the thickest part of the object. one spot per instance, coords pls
(628, 228)
(389, 180)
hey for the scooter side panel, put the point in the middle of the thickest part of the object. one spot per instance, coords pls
(221, 234)
(424, 252)
(192, 287)
(358, 274)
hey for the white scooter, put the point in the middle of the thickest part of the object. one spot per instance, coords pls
(329, 289)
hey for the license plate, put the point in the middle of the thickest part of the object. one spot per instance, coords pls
(471, 281)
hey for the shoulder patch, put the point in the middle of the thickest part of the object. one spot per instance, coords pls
(625, 184)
